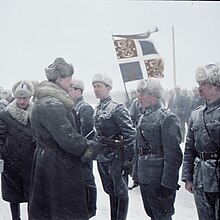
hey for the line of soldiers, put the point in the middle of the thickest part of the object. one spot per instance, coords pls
(48, 146)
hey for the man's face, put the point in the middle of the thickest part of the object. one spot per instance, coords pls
(101, 90)
(208, 91)
(23, 102)
(145, 99)
(74, 92)
(64, 82)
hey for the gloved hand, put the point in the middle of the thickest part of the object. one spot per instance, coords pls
(128, 167)
(163, 191)
(94, 149)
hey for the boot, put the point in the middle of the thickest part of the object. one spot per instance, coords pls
(15, 211)
(91, 200)
(113, 206)
(122, 209)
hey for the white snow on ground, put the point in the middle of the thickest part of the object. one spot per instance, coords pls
(184, 205)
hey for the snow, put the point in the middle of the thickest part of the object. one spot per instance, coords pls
(184, 205)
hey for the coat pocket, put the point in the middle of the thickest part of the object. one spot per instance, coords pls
(150, 169)
(210, 176)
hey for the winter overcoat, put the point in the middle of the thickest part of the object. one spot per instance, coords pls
(57, 185)
(17, 146)
(203, 174)
(160, 129)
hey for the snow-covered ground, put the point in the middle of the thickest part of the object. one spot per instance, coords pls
(184, 205)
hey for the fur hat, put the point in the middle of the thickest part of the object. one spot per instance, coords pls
(209, 73)
(150, 86)
(23, 89)
(78, 84)
(59, 68)
(102, 78)
(5, 94)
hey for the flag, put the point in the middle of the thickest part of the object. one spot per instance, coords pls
(137, 57)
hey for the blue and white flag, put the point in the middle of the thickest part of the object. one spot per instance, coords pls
(138, 57)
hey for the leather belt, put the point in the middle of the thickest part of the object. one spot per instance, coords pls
(209, 155)
(149, 150)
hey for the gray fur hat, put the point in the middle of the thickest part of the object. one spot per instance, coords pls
(151, 86)
(209, 73)
(23, 89)
(102, 78)
(59, 68)
(78, 84)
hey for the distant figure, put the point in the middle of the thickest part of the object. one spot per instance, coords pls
(114, 127)
(158, 152)
(17, 147)
(84, 126)
(179, 108)
(201, 162)
(196, 99)
(5, 98)
(131, 97)
(187, 105)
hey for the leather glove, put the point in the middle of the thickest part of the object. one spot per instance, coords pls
(94, 149)
(163, 192)
(128, 167)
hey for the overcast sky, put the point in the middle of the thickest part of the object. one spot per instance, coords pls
(34, 33)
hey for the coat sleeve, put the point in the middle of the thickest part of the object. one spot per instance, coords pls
(54, 117)
(122, 117)
(86, 120)
(171, 139)
(3, 135)
(189, 154)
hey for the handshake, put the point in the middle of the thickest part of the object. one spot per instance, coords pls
(99, 147)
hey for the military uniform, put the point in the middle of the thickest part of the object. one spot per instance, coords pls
(84, 126)
(112, 121)
(202, 159)
(159, 159)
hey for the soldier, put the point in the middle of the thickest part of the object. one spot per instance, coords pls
(158, 153)
(57, 183)
(114, 127)
(196, 99)
(179, 108)
(17, 146)
(5, 98)
(202, 149)
(84, 126)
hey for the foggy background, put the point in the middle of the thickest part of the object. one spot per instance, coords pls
(34, 33)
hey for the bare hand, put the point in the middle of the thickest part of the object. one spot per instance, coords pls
(188, 186)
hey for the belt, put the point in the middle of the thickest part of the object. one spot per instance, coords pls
(209, 155)
(149, 150)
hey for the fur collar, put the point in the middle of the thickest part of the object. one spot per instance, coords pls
(20, 115)
(47, 88)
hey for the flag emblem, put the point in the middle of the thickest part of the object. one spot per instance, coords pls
(137, 58)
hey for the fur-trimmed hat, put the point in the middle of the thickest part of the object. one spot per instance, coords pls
(59, 68)
(23, 89)
(150, 86)
(209, 73)
(102, 78)
(78, 84)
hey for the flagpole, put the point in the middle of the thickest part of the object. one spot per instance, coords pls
(174, 62)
